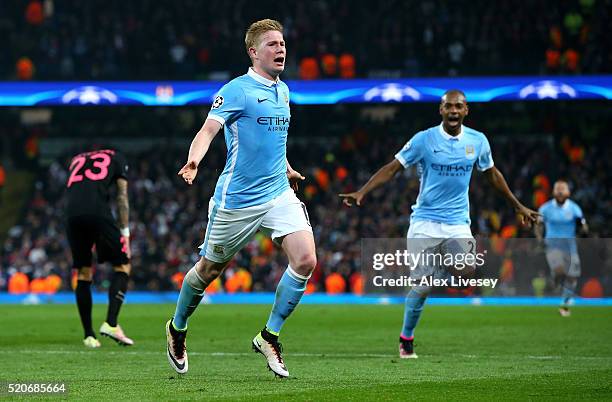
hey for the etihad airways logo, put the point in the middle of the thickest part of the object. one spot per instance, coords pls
(451, 170)
(274, 123)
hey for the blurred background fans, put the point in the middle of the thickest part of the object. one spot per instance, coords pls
(337, 147)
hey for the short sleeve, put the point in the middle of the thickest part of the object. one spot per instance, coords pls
(412, 152)
(542, 211)
(578, 211)
(121, 165)
(485, 158)
(228, 104)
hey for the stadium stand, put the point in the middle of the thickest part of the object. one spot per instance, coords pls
(117, 40)
(168, 218)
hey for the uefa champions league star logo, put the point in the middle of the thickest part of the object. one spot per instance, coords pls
(392, 92)
(89, 95)
(547, 89)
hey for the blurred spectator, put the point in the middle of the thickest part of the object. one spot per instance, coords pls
(168, 219)
(163, 40)
(18, 283)
(330, 65)
(24, 69)
(571, 58)
(347, 66)
(334, 284)
(2, 182)
(34, 13)
(592, 289)
(309, 68)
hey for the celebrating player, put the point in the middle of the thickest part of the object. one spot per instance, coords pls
(445, 156)
(560, 216)
(90, 222)
(254, 192)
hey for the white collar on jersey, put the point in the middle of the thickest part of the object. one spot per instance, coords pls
(448, 136)
(262, 80)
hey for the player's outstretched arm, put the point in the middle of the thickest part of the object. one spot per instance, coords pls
(584, 226)
(496, 178)
(197, 150)
(538, 230)
(379, 178)
(123, 210)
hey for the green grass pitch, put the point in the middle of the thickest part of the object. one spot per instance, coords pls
(332, 352)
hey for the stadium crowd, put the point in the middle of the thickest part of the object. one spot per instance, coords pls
(143, 39)
(168, 218)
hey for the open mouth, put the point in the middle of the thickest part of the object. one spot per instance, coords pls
(453, 119)
(280, 60)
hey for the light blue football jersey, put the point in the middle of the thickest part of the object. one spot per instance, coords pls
(255, 114)
(560, 220)
(444, 165)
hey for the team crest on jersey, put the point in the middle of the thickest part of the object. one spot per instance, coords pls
(218, 249)
(218, 102)
(286, 98)
(469, 151)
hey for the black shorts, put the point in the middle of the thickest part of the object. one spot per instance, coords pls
(88, 230)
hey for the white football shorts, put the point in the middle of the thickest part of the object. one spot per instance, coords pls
(229, 230)
(436, 239)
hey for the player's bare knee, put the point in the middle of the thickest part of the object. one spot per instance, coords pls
(125, 268)
(209, 270)
(85, 274)
(305, 264)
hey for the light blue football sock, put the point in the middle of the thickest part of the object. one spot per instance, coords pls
(190, 297)
(568, 290)
(412, 312)
(289, 291)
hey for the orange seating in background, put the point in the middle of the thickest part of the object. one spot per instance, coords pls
(19, 283)
(309, 68)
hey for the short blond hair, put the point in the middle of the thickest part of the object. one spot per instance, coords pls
(258, 28)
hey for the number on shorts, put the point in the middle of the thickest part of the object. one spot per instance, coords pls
(472, 243)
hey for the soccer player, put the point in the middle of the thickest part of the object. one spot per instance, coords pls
(560, 216)
(254, 192)
(445, 156)
(90, 223)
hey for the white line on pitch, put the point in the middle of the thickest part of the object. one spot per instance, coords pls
(321, 355)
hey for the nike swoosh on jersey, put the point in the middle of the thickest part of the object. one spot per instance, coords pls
(261, 100)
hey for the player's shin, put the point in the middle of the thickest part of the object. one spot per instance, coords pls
(190, 297)
(289, 292)
(412, 312)
(84, 303)
(568, 290)
(116, 295)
